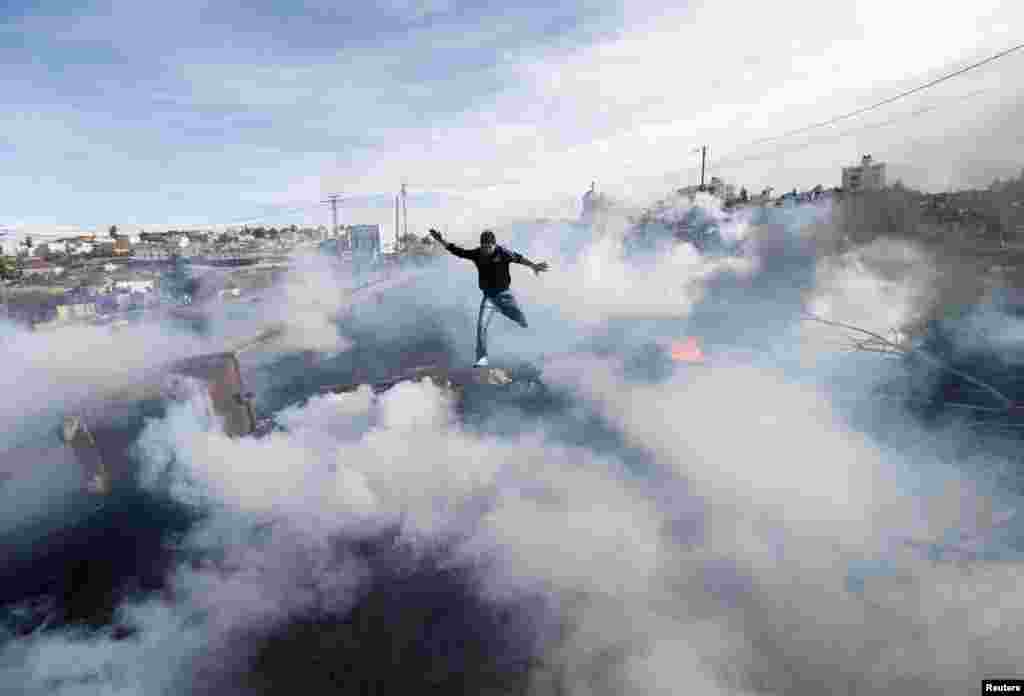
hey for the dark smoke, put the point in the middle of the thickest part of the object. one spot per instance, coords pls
(419, 624)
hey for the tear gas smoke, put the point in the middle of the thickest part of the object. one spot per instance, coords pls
(770, 543)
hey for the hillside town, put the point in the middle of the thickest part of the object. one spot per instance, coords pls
(119, 276)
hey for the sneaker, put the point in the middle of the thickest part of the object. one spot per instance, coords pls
(482, 362)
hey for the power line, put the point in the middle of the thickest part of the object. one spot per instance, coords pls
(840, 117)
(278, 213)
(334, 198)
(889, 100)
(734, 161)
(284, 211)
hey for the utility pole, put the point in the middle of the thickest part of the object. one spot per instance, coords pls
(333, 200)
(405, 212)
(396, 224)
(703, 158)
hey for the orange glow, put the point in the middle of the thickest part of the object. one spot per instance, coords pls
(687, 350)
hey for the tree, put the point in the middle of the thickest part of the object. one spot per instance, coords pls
(8, 269)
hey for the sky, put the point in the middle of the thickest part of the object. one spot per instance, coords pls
(203, 114)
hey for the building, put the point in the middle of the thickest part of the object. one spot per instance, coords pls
(80, 248)
(179, 241)
(147, 250)
(38, 267)
(365, 241)
(123, 245)
(719, 188)
(134, 285)
(77, 310)
(716, 187)
(51, 247)
(594, 204)
(868, 176)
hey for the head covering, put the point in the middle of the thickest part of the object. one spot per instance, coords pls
(487, 237)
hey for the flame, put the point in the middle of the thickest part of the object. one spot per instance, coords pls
(687, 350)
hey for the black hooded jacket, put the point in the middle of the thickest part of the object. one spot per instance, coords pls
(493, 269)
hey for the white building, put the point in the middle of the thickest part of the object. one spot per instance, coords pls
(134, 285)
(8, 246)
(594, 205)
(868, 176)
(41, 270)
(78, 310)
(50, 247)
(79, 248)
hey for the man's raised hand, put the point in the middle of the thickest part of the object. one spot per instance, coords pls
(436, 235)
(539, 268)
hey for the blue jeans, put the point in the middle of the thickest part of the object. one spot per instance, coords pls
(504, 302)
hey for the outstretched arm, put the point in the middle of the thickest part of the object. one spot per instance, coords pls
(452, 248)
(537, 268)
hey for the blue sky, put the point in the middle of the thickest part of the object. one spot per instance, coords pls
(196, 113)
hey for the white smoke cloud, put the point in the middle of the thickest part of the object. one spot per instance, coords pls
(600, 283)
(562, 518)
(78, 663)
(881, 287)
(785, 493)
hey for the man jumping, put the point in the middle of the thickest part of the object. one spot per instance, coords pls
(492, 262)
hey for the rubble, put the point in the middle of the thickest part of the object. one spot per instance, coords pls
(77, 436)
(453, 379)
(214, 378)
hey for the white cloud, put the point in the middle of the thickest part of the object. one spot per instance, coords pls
(631, 107)
(626, 108)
